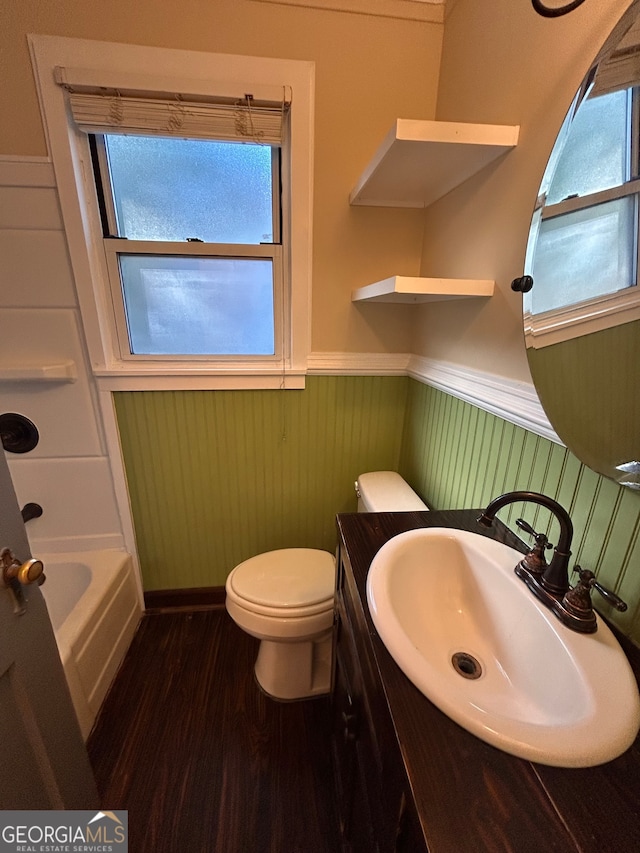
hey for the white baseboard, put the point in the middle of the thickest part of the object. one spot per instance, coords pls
(516, 402)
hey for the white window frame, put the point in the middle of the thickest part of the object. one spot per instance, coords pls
(115, 248)
(118, 66)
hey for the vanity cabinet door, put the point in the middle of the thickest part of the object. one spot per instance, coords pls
(344, 753)
(377, 814)
(353, 807)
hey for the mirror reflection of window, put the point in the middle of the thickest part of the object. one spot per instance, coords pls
(596, 154)
(586, 241)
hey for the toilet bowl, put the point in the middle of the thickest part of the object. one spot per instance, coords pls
(285, 598)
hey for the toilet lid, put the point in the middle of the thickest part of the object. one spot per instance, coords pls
(290, 577)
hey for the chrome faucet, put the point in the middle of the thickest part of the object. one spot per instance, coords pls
(550, 583)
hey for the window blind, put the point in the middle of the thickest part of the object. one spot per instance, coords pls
(620, 71)
(109, 111)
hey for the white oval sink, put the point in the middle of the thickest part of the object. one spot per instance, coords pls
(540, 690)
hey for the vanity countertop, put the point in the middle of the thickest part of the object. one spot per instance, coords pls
(470, 796)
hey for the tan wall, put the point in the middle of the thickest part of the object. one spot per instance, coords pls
(502, 63)
(369, 70)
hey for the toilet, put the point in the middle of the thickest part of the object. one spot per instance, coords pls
(285, 599)
(386, 491)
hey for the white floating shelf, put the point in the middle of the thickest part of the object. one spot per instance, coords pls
(61, 371)
(420, 161)
(412, 289)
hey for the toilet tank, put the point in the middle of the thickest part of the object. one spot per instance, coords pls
(386, 491)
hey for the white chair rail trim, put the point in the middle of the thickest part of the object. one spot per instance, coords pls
(516, 402)
(358, 363)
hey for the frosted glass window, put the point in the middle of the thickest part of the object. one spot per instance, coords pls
(181, 305)
(175, 189)
(584, 254)
(595, 154)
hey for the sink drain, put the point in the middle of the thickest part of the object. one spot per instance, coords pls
(466, 665)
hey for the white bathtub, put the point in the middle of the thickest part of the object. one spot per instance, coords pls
(94, 608)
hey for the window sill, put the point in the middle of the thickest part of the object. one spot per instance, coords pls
(164, 378)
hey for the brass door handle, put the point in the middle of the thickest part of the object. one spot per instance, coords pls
(31, 571)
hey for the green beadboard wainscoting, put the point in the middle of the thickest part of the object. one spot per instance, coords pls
(216, 477)
(597, 376)
(458, 456)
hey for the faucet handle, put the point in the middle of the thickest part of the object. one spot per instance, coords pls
(534, 560)
(539, 537)
(590, 581)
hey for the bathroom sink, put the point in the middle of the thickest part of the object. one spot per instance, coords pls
(476, 642)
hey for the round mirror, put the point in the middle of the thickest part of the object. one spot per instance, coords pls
(582, 315)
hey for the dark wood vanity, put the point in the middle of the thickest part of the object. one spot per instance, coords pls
(411, 780)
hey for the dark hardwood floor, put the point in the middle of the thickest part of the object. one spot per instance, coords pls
(202, 760)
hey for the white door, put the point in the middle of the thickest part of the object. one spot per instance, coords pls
(43, 760)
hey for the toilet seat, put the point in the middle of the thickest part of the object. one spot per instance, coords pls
(288, 583)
